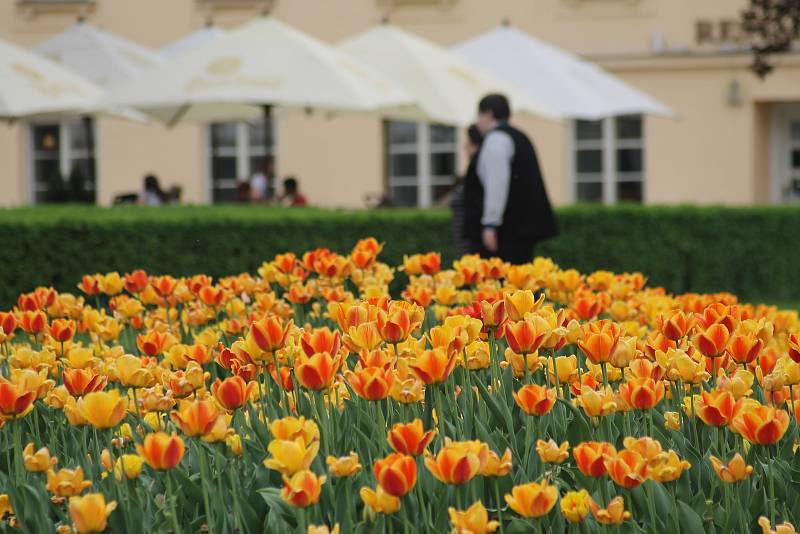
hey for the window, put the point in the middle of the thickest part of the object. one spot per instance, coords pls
(421, 162)
(63, 161)
(237, 150)
(609, 160)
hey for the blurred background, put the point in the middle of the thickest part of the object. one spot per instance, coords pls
(629, 102)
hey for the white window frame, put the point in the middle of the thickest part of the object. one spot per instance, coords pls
(424, 148)
(242, 151)
(66, 153)
(610, 176)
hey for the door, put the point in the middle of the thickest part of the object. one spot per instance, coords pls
(786, 154)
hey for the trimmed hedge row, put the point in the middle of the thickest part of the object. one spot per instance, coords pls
(752, 252)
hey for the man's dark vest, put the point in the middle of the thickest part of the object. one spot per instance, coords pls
(528, 213)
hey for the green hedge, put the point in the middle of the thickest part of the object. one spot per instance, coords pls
(750, 251)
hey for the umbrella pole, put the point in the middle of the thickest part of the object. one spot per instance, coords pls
(266, 110)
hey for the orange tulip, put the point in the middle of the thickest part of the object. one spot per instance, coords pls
(136, 281)
(66, 482)
(458, 461)
(712, 341)
(269, 333)
(90, 284)
(716, 408)
(409, 438)
(526, 336)
(103, 409)
(627, 468)
(675, 324)
(734, 471)
(62, 330)
(613, 514)
(8, 323)
(371, 383)
(397, 324)
(590, 457)
(535, 399)
(233, 392)
(33, 322)
(744, 348)
(533, 499)
(761, 425)
(396, 473)
(599, 341)
(379, 501)
(642, 393)
(302, 489)
(15, 402)
(794, 347)
(161, 451)
(153, 342)
(79, 382)
(316, 372)
(433, 366)
(493, 313)
(90, 512)
(496, 465)
(164, 285)
(196, 417)
(647, 447)
(321, 340)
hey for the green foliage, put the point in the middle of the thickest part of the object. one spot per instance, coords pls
(743, 250)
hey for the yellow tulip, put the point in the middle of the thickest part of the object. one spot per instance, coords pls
(290, 456)
(90, 512)
(39, 461)
(103, 409)
(343, 466)
(66, 482)
(551, 452)
(575, 505)
(473, 520)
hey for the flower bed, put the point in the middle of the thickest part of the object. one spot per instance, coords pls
(303, 398)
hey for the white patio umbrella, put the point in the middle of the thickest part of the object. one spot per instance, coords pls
(197, 38)
(446, 86)
(568, 85)
(262, 63)
(31, 86)
(102, 57)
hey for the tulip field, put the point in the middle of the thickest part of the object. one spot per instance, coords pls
(481, 397)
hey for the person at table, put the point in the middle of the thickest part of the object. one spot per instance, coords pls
(152, 194)
(292, 197)
(462, 241)
(261, 183)
(507, 209)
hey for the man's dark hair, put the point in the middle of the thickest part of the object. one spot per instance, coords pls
(290, 185)
(474, 135)
(497, 105)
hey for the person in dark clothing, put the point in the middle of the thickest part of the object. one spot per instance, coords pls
(473, 145)
(505, 199)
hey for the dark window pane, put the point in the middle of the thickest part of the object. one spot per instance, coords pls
(223, 168)
(403, 165)
(588, 130)
(223, 134)
(256, 163)
(589, 161)
(404, 195)
(86, 167)
(590, 192)
(796, 158)
(443, 164)
(46, 137)
(442, 134)
(795, 128)
(402, 132)
(629, 127)
(45, 170)
(80, 133)
(629, 160)
(256, 132)
(225, 194)
(629, 191)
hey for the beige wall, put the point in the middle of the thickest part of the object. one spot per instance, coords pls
(713, 152)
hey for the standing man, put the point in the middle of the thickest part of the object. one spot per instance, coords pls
(506, 203)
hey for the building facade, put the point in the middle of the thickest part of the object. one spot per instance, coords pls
(735, 139)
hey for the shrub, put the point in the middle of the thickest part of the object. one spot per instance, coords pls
(742, 250)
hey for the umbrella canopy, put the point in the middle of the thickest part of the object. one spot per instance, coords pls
(102, 57)
(31, 85)
(264, 62)
(570, 86)
(446, 86)
(193, 40)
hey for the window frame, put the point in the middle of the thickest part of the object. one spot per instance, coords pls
(609, 176)
(66, 154)
(242, 150)
(424, 149)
